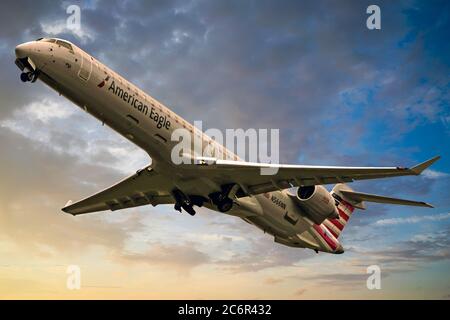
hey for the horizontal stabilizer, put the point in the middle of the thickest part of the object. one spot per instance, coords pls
(358, 197)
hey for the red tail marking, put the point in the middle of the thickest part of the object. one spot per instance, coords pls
(343, 215)
(331, 231)
(325, 237)
(348, 205)
(337, 223)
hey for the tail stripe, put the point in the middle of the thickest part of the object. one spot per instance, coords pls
(330, 227)
(345, 211)
(325, 237)
(347, 206)
(337, 223)
(343, 215)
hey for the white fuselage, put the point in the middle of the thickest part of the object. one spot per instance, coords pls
(149, 124)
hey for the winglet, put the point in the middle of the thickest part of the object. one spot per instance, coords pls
(418, 169)
(65, 208)
(425, 204)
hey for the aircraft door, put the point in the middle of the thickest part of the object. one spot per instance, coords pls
(86, 67)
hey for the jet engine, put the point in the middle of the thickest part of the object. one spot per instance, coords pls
(317, 203)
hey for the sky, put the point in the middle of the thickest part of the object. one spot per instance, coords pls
(339, 93)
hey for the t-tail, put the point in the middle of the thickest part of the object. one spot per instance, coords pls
(347, 201)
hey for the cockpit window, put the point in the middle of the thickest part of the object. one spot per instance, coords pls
(46, 40)
(64, 44)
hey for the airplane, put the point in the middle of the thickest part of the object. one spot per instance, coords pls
(311, 217)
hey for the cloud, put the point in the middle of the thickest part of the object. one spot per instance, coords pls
(300, 292)
(272, 281)
(411, 254)
(342, 280)
(262, 253)
(182, 258)
(46, 110)
(413, 219)
(32, 195)
(433, 174)
(59, 27)
(60, 126)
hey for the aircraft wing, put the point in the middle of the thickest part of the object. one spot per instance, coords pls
(142, 188)
(248, 174)
(149, 187)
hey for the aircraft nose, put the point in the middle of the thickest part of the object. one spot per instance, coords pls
(23, 50)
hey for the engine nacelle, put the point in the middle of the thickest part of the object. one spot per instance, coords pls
(317, 203)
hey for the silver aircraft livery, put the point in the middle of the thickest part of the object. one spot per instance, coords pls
(311, 217)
